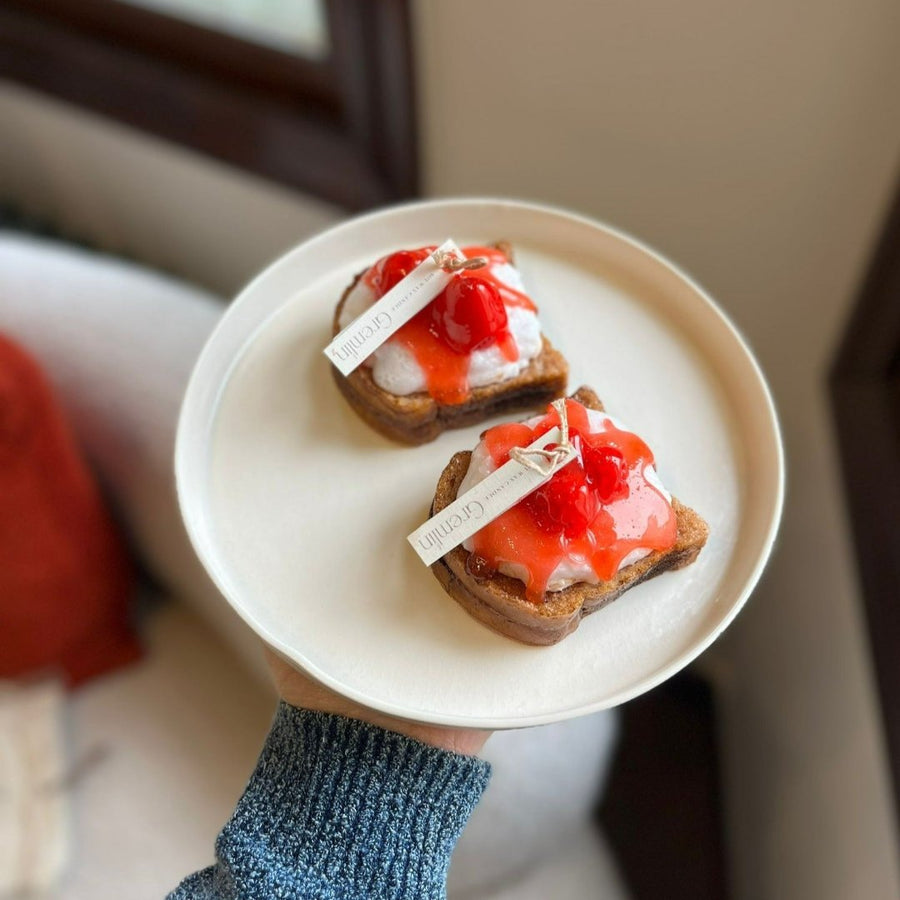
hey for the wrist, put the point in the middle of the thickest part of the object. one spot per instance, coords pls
(300, 691)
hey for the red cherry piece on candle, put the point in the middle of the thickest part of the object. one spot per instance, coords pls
(606, 469)
(566, 503)
(468, 314)
(391, 270)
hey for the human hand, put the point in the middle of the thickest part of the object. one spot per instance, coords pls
(301, 691)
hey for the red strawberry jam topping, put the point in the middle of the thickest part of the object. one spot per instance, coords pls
(468, 315)
(597, 509)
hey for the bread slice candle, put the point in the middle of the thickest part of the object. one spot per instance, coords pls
(600, 525)
(475, 351)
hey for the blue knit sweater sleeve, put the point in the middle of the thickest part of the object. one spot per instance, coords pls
(338, 809)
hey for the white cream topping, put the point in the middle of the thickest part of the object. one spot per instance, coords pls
(395, 369)
(574, 567)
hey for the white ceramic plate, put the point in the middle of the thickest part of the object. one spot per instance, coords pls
(300, 512)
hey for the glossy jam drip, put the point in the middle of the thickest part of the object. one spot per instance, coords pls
(614, 509)
(446, 373)
(443, 351)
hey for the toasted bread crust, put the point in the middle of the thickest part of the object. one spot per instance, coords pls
(499, 601)
(418, 418)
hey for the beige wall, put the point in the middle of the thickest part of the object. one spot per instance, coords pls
(754, 143)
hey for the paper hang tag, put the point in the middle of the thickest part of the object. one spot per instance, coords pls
(366, 333)
(500, 491)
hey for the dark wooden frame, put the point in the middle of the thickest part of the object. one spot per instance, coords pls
(865, 393)
(342, 129)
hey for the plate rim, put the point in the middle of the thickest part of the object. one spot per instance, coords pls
(195, 388)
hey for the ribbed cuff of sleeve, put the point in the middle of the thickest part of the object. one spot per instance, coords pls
(350, 809)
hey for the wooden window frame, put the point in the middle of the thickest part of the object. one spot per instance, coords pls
(865, 394)
(341, 129)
